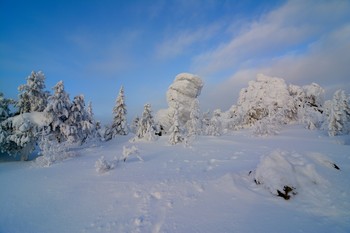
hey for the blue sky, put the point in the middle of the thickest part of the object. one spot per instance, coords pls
(97, 46)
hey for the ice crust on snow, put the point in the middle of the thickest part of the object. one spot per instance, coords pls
(181, 93)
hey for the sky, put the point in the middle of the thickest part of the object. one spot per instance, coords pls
(97, 46)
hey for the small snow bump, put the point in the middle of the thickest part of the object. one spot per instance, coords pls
(157, 195)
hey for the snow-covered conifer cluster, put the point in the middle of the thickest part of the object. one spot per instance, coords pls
(264, 106)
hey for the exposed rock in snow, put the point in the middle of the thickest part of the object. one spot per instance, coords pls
(285, 174)
(185, 88)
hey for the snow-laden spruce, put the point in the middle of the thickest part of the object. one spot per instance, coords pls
(58, 108)
(337, 113)
(185, 88)
(33, 97)
(175, 131)
(79, 124)
(193, 126)
(19, 134)
(4, 107)
(119, 126)
(146, 127)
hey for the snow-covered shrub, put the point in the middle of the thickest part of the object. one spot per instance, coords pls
(181, 93)
(51, 152)
(127, 151)
(119, 125)
(266, 126)
(337, 114)
(33, 98)
(102, 165)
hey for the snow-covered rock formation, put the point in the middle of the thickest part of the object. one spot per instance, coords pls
(185, 88)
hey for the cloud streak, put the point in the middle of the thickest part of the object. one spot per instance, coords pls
(299, 42)
(281, 30)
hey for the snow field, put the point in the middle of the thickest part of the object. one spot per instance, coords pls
(202, 188)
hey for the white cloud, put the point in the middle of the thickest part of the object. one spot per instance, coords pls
(302, 42)
(176, 44)
(281, 30)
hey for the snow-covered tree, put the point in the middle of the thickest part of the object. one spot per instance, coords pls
(215, 125)
(311, 111)
(338, 114)
(264, 97)
(205, 121)
(90, 118)
(119, 126)
(19, 134)
(194, 123)
(135, 124)
(175, 131)
(4, 107)
(146, 127)
(33, 97)
(58, 108)
(78, 126)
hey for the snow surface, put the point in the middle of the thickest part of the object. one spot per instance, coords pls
(208, 187)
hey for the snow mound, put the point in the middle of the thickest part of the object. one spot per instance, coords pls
(285, 174)
(185, 88)
(38, 119)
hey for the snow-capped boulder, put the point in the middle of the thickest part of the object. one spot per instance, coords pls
(285, 174)
(185, 88)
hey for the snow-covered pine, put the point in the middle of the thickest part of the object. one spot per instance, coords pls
(58, 109)
(146, 127)
(33, 98)
(338, 114)
(215, 125)
(175, 131)
(119, 125)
